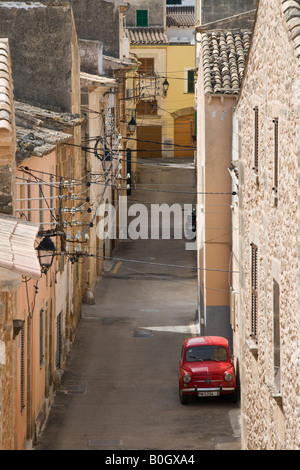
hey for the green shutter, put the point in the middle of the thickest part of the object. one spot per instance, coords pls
(191, 84)
(142, 17)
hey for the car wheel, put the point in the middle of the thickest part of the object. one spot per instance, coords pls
(183, 398)
(234, 397)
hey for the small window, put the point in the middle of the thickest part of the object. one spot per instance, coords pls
(41, 337)
(22, 369)
(58, 341)
(147, 66)
(190, 81)
(142, 18)
(256, 139)
(41, 198)
(144, 107)
(28, 200)
(276, 156)
(254, 290)
(276, 333)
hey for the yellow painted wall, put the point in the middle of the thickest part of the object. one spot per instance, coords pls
(180, 57)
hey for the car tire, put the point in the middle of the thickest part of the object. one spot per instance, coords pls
(234, 397)
(183, 398)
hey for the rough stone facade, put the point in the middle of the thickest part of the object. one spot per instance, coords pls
(157, 12)
(44, 53)
(213, 11)
(269, 220)
(94, 18)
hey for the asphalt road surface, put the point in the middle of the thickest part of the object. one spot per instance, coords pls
(120, 387)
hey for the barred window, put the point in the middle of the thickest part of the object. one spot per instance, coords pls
(254, 290)
(256, 139)
(276, 333)
(276, 155)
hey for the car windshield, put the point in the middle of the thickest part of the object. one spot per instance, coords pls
(206, 353)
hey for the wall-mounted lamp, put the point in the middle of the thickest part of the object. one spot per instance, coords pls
(46, 252)
(132, 125)
(165, 86)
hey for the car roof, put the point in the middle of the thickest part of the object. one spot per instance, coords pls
(205, 341)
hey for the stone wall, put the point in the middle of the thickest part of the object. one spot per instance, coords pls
(94, 18)
(157, 12)
(42, 40)
(270, 220)
(7, 379)
(212, 10)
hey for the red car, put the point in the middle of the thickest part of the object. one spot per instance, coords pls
(206, 368)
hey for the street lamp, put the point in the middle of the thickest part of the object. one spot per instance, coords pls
(165, 87)
(132, 125)
(46, 252)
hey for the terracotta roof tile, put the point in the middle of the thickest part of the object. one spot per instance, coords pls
(180, 16)
(224, 56)
(291, 10)
(6, 87)
(150, 35)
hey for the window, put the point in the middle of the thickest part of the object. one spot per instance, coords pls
(174, 2)
(276, 162)
(22, 370)
(41, 336)
(41, 197)
(254, 291)
(142, 18)
(256, 139)
(144, 107)
(206, 353)
(147, 66)
(58, 340)
(276, 333)
(28, 200)
(190, 81)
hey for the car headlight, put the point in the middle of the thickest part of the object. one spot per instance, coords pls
(228, 377)
(187, 379)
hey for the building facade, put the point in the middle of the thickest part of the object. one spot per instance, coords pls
(221, 59)
(180, 99)
(146, 31)
(63, 138)
(265, 165)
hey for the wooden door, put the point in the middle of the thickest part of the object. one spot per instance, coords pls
(149, 141)
(183, 136)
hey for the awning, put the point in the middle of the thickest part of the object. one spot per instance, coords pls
(17, 251)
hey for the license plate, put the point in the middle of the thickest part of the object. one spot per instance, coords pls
(208, 394)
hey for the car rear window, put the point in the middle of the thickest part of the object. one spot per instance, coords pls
(206, 353)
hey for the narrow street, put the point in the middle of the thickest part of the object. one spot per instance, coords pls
(120, 389)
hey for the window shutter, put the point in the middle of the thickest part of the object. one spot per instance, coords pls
(142, 18)
(28, 200)
(191, 83)
(58, 341)
(41, 336)
(22, 370)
